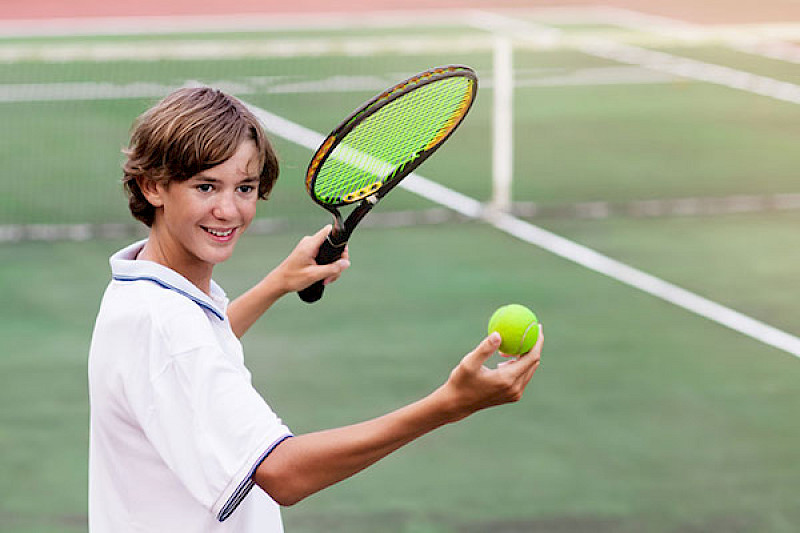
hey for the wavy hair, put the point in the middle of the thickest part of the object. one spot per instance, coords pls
(189, 131)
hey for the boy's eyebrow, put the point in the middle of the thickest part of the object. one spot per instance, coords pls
(203, 177)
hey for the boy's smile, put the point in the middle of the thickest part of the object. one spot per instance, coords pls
(199, 221)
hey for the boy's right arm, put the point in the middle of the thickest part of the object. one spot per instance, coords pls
(296, 272)
(305, 464)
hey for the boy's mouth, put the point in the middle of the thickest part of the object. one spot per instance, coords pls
(221, 233)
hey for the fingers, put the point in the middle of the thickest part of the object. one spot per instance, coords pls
(332, 271)
(534, 355)
(300, 269)
(476, 387)
(477, 357)
(337, 267)
(525, 365)
(537, 348)
(489, 345)
(312, 243)
(530, 361)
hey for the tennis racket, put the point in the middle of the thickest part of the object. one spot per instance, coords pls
(381, 143)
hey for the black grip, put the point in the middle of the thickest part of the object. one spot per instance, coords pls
(327, 254)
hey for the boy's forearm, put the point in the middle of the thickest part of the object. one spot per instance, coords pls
(306, 464)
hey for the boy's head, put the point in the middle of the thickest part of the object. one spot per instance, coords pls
(190, 131)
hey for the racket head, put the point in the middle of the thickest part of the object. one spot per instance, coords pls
(389, 136)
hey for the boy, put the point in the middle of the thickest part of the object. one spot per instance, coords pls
(179, 436)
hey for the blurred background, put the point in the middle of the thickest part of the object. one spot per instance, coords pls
(661, 135)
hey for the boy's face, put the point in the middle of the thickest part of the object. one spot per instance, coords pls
(203, 217)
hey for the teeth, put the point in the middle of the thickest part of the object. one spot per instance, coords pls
(219, 233)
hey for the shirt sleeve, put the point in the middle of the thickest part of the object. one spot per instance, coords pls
(210, 426)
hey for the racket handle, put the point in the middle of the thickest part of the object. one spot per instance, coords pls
(328, 253)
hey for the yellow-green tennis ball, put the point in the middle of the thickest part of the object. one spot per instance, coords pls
(518, 327)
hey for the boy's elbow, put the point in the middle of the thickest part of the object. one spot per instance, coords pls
(289, 500)
(284, 496)
(282, 489)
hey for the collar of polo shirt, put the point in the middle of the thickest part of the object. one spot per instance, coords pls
(125, 267)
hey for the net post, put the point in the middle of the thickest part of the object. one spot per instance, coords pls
(502, 124)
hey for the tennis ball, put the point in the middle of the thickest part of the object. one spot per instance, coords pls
(518, 327)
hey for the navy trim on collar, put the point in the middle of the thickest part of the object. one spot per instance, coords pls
(165, 285)
(126, 267)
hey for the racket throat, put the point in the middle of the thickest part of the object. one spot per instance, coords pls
(339, 235)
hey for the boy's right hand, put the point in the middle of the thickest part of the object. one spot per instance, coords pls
(300, 269)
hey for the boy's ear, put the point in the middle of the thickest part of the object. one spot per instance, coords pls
(152, 190)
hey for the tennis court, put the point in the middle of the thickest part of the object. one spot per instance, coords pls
(670, 148)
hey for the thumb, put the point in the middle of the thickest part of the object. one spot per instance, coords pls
(311, 243)
(322, 234)
(483, 351)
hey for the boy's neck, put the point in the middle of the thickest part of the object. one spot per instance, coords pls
(172, 256)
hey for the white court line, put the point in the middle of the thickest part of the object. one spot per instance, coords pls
(755, 39)
(560, 246)
(657, 61)
(648, 283)
(696, 70)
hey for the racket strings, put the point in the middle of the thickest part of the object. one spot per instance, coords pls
(378, 148)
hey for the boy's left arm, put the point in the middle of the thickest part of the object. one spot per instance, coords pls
(296, 272)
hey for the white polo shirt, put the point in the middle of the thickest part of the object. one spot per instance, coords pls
(176, 428)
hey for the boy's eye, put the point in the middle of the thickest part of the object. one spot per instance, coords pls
(204, 187)
(246, 188)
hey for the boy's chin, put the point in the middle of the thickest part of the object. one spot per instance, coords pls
(221, 255)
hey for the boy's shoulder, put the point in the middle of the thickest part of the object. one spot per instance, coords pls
(149, 311)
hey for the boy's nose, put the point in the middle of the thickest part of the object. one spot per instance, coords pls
(225, 207)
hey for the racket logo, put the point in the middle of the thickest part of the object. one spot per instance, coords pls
(363, 192)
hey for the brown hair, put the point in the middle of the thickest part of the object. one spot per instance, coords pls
(189, 131)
